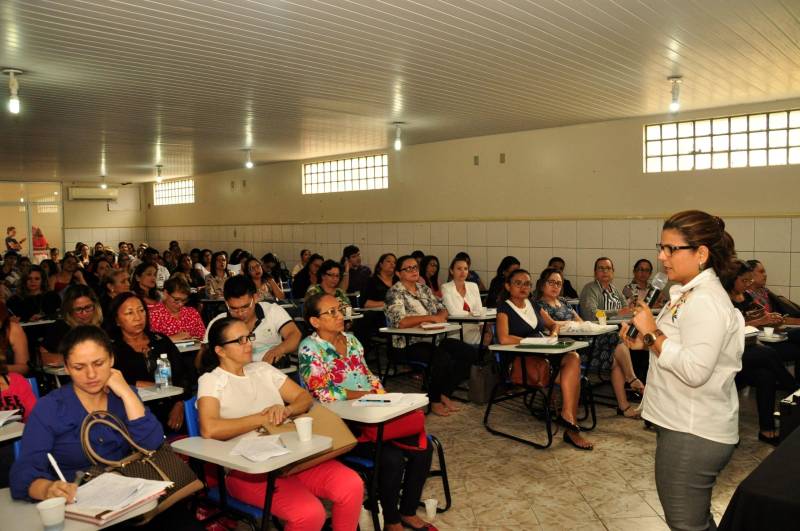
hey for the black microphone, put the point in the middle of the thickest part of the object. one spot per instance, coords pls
(658, 284)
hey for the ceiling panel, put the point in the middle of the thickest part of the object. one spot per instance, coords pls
(190, 84)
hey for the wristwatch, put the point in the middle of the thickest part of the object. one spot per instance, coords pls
(650, 338)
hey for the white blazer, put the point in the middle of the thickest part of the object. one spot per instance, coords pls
(454, 303)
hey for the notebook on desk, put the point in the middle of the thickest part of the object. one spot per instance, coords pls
(110, 496)
(6, 417)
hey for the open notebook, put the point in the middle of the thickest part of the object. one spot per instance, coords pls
(110, 496)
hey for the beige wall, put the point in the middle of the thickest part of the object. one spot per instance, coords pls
(583, 171)
(94, 214)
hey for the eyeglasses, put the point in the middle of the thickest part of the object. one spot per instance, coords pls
(410, 269)
(641, 270)
(249, 338)
(669, 250)
(84, 309)
(522, 284)
(604, 269)
(333, 312)
(747, 280)
(555, 283)
(178, 300)
(241, 309)
(333, 275)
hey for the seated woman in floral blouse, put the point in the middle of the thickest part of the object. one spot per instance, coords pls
(333, 368)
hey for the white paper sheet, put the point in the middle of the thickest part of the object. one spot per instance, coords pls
(112, 491)
(260, 448)
(9, 416)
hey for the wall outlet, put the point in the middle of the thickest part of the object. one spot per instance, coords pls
(476, 160)
(502, 158)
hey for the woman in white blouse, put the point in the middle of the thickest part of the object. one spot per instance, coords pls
(696, 346)
(237, 397)
(463, 298)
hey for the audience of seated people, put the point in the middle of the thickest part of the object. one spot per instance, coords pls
(144, 320)
(637, 288)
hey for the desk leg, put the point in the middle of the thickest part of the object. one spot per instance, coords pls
(223, 492)
(373, 487)
(265, 515)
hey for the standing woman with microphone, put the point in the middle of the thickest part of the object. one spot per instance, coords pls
(696, 346)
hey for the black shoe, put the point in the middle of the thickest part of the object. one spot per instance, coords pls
(568, 439)
(774, 441)
(561, 421)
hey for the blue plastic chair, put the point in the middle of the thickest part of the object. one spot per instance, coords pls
(17, 446)
(193, 429)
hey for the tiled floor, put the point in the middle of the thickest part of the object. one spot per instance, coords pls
(498, 484)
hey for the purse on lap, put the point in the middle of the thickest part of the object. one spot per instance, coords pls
(161, 464)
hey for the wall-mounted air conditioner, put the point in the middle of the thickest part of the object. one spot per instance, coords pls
(95, 192)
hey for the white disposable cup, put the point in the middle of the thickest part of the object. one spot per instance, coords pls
(348, 311)
(303, 425)
(602, 320)
(51, 512)
(768, 330)
(430, 508)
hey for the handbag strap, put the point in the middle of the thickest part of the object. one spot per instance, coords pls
(106, 418)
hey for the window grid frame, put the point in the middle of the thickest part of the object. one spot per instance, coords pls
(174, 192)
(350, 174)
(789, 153)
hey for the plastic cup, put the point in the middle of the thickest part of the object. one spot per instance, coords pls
(348, 311)
(768, 331)
(602, 320)
(51, 512)
(303, 425)
(430, 508)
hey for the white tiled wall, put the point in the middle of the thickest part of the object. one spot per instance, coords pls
(774, 241)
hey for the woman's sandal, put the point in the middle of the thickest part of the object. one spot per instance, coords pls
(568, 440)
(638, 390)
(624, 412)
(561, 421)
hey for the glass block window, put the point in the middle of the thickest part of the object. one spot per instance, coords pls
(177, 192)
(763, 139)
(346, 175)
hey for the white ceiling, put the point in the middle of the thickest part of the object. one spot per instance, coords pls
(193, 82)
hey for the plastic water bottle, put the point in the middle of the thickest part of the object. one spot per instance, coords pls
(163, 372)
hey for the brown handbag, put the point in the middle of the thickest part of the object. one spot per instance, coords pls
(537, 371)
(161, 464)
